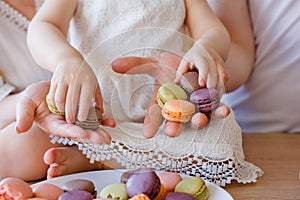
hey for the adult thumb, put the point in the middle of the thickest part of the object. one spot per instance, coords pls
(24, 114)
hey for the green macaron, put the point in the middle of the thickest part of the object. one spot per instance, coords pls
(53, 109)
(114, 191)
(170, 91)
(193, 185)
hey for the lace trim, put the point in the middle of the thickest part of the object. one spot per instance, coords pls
(13, 16)
(214, 156)
(220, 172)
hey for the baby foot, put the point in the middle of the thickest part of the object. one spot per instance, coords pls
(67, 160)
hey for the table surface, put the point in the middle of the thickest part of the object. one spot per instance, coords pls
(278, 155)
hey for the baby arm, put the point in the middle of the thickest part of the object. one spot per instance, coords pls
(74, 82)
(211, 46)
(234, 15)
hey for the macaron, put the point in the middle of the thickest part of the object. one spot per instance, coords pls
(47, 191)
(169, 180)
(178, 110)
(206, 99)
(15, 188)
(170, 91)
(76, 195)
(162, 193)
(143, 181)
(53, 109)
(92, 121)
(193, 185)
(179, 196)
(114, 191)
(140, 197)
(125, 175)
(80, 184)
(189, 81)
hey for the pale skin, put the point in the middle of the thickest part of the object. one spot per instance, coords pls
(22, 154)
(60, 160)
(71, 87)
(16, 149)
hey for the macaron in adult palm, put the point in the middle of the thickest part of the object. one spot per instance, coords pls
(178, 110)
(170, 91)
(206, 99)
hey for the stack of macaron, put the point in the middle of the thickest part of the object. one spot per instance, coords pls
(180, 102)
(92, 121)
(174, 103)
(146, 184)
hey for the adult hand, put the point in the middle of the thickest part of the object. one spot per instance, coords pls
(32, 107)
(163, 68)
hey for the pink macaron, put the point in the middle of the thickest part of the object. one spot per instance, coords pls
(169, 180)
(15, 188)
(47, 191)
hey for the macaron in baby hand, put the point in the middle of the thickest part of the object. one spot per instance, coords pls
(92, 121)
(178, 110)
(189, 82)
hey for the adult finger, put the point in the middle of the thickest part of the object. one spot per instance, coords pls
(133, 65)
(24, 114)
(153, 118)
(107, 121)
(100, 137)
(173, 129)
(33, 96)
(98, 99)
(221, 112)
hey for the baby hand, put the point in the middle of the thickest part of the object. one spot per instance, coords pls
(211, 67)
(32, 107)
(74, 89)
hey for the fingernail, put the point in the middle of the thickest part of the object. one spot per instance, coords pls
(17, 130)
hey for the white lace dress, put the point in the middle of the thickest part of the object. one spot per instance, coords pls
(106, 30)
(16, 64)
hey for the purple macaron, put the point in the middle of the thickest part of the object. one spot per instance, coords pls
(143, 181)
(76, 195)
(179, 196)
(206, 99)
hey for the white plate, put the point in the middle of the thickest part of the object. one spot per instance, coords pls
(106, 177)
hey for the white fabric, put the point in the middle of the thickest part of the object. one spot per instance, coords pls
(269, 101)
(18, 68)
(111, 29)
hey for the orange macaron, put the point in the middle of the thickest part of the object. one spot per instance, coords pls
(178, 110)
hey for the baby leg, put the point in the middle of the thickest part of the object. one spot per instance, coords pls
(22, 154)
(68, 160)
